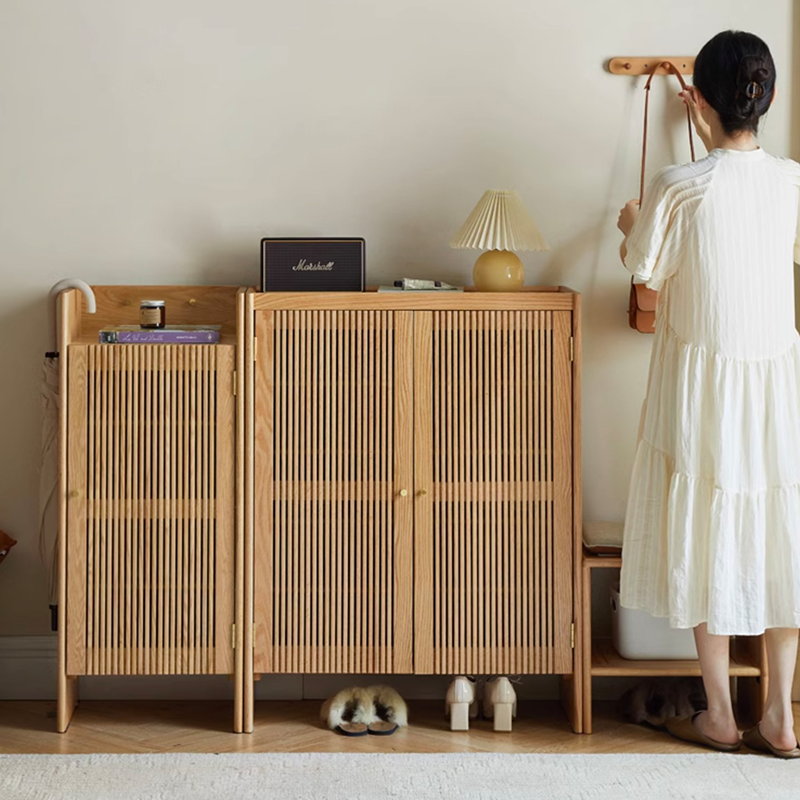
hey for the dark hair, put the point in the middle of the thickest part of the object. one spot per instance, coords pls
(729, 69)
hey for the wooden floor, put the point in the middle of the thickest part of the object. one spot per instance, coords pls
(103, 726)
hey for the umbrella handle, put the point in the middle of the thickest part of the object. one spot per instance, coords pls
(55, 291)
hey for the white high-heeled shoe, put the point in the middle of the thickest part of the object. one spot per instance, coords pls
(475, 705)
(460, 696)
(500, 703)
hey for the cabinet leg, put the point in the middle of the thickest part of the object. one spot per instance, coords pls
(243, 702)
(587, 703)
(248, 703)
(571, 701)
(67, 701)
(238, 702)
(586, 649)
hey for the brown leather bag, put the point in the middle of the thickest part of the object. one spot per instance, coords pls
(642, 301)
(6, 543)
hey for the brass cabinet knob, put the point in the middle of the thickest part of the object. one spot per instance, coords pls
(74, 493)
(193, 302)
(423, 492)
(403, 492)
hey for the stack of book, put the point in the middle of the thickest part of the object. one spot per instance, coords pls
(419, 285)
(169, 334)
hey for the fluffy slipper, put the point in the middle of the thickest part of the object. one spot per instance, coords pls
(352, 728)
(389, 706)
(683, 728)
(755, 740)
(382, 728)
(352, 705)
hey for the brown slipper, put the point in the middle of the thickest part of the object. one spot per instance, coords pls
(683, 728)
(755, 740)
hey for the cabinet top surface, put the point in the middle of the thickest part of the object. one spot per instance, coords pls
(556, 298)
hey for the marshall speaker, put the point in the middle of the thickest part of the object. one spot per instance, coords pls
(312, 265)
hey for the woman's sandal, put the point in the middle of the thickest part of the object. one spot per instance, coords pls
(755, 740)
(683, 728)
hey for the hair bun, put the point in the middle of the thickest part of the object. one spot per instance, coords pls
(751, 68)
(752, 74)
(735, 73)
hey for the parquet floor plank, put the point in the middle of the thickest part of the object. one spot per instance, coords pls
(203, 726)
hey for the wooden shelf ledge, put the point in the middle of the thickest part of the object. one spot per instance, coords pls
(591, 560)
(607, 661)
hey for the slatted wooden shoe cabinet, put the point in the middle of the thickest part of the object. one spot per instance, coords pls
(413, 484)
(148, 543)
(347, 483)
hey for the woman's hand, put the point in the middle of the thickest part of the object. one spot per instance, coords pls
(700, 125)
(627, 216)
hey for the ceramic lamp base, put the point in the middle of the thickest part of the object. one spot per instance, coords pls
(498, 271)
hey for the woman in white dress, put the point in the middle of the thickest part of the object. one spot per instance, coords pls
(712, 526)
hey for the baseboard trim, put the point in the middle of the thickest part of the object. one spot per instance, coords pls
(28, 667)
(28, 671)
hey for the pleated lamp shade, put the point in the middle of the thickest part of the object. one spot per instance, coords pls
(499, 225)
(499, 221)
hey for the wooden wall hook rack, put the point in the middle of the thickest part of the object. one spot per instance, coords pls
(643, 65)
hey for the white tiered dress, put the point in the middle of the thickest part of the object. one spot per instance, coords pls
(712, 524)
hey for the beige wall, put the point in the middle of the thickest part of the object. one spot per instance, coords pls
(158, 141)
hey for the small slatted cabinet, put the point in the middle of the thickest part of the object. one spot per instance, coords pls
(148, 541)
(414, 484)
(748, 669)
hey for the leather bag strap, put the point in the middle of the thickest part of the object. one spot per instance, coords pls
(668, 65)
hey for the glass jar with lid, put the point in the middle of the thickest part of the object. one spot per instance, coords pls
(152, 314)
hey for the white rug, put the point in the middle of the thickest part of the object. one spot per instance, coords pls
(241, 776)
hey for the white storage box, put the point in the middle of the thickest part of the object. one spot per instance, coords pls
(639, 635)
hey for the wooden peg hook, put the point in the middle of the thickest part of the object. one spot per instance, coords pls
(643, 65)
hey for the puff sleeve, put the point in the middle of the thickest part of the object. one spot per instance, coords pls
(792, 170)
(656, 241)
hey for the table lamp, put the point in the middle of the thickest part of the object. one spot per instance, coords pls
(499, 224)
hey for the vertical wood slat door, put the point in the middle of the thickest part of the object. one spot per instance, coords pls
(493, 494)
(333, 491)
(150, 531)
